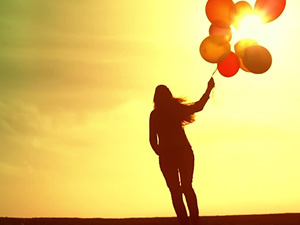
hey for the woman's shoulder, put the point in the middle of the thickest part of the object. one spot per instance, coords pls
(153, 116)
(153, 113)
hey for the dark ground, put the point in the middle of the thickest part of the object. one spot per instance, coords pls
(272, 219)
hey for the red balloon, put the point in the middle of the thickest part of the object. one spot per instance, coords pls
(230, 66)
(223, 31)
(220, 12)
(269, 10)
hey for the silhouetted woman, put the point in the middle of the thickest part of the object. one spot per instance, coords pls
(168, 140)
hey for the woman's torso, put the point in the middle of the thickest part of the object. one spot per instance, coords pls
(169, 129)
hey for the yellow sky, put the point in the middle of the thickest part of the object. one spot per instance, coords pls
(76, 87)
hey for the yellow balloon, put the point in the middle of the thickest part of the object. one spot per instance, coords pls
(214, 48)
(242, 44)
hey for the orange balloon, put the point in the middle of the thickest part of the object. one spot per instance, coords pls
(230, 66)
(269, 10)
(242, 9)
(220, 12)
(257, 59)
(223, 31)
(241, 45)
(214, 48)
(243, 67)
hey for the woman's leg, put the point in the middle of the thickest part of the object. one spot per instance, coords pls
(186, 170)
(169, 169)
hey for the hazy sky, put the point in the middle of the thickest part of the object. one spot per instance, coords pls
(76, 86)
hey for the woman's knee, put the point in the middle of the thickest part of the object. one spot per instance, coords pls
(176, 190)
(187, 188)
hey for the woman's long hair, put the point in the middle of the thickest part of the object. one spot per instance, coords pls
(163, 100)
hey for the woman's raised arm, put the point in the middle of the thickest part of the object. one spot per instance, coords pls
(199, 105)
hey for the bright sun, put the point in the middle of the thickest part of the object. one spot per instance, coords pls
(251, 26)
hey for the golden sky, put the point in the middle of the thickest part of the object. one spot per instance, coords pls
(77, 80)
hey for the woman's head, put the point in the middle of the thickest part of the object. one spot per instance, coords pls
(164, 100)
(162, 96)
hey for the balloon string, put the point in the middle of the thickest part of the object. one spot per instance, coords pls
(214, 72)
(213, 90)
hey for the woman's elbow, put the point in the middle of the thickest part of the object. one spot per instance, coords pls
(199, 109)
(153, 141)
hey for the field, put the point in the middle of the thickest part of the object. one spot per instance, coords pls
(272, 219)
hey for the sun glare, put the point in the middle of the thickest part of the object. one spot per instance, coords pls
(252, 27)
(249, 27)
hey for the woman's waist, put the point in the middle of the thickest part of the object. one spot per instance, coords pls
(174, 142)
(175, 151)
(175, 148)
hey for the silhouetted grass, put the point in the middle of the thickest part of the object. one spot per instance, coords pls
(272, 219)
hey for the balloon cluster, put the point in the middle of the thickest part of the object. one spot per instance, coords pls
(248, 54)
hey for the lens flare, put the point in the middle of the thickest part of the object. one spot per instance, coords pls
(250, 27)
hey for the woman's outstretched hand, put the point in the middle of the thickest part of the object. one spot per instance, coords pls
(211, 83)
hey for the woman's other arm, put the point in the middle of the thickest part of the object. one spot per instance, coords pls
(153, 134)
